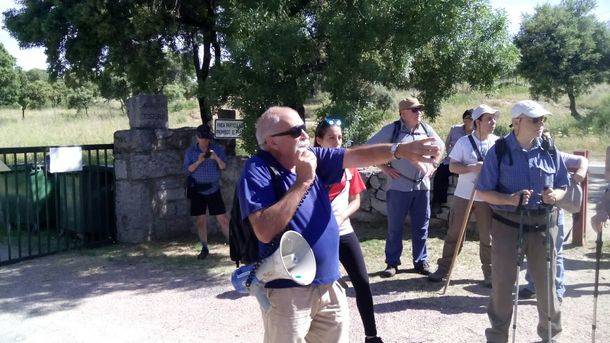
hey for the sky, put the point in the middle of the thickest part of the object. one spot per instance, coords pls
(36, 58)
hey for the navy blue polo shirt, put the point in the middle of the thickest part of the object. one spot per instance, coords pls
(532, 169)
(314, 217)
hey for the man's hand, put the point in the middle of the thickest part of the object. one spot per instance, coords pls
(577, 178)
(550, 196)
(419, 151)
(389, 171)
(305, 167)
(514, 198)
(201, 158)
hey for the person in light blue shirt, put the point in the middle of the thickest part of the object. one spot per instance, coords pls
(203, 163)
(522, 176)
(578, 165)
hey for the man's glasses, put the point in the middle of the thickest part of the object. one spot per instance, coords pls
(416, 109)
(538, 120)
(294, 132)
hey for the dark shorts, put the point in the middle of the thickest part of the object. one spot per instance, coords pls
(201, 203)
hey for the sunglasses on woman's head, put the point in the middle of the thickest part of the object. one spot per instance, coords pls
(294, 132)
(332, 121)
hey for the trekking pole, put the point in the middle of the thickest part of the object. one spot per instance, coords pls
(549, 272)
(519, 262)
(460, 236)
(598, 254)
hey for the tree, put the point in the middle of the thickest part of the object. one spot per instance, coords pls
(9, 81)
(32, 91)
(138, 40)
(283, 52)
(81, 95)
(564, 50)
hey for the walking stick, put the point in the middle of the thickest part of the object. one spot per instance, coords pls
(461, 235)
(598, 253)
(549, 272)
(519, 262)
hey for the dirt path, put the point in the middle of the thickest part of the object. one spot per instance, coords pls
(126, 297)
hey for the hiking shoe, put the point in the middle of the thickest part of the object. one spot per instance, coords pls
(437, 276)
(526, 293)
(204, 253)
(423, 268)
(389, 271)
(373, 340)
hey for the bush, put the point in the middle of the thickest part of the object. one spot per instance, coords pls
(598, 120)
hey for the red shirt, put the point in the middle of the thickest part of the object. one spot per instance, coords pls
(356, 185)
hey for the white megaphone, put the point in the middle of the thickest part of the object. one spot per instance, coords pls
(293, 260)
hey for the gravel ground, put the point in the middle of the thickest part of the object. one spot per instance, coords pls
(89, 297)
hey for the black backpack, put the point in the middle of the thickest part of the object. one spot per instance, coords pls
(243, 244)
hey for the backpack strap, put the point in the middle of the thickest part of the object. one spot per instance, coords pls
(475, 148)
(395, 131)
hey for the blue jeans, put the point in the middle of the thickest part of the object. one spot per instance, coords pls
(416, 203)
(560, 270)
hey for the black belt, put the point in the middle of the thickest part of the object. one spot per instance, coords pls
(526, 227)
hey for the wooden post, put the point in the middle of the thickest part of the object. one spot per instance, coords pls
(579, 222)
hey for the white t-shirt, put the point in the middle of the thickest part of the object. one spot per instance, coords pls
(464, 153)
(340, 204)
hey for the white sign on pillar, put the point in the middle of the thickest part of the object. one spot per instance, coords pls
(228, 128)
(65, 159)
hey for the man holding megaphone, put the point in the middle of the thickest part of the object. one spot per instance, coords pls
(317, 312)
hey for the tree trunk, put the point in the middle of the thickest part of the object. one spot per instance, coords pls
(201, 71)
(573, 110)
(22, 113)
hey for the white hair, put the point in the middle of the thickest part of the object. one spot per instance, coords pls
(266, 122)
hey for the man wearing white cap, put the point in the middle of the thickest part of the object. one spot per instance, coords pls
(521, 176)
(466, 159)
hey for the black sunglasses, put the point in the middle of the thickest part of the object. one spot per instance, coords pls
(294, 132)
(538, 120)
(416, 109)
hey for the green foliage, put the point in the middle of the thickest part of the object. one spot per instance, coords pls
(82, 96)
(174, 92)
(478, 51)
(32, 92)
(8, 77)
(598, 120)
(127, 47)
(564, 50)
(283, 52)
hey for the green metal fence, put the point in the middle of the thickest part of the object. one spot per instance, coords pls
(42, 212)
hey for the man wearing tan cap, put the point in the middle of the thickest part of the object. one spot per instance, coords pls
(466, 159)
(409, 188)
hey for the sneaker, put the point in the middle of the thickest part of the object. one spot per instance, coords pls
(437, 276)
(423, 268)
(204, 253)
(526, 293)
(389, 271)
(373, 340)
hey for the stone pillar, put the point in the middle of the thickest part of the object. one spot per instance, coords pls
(150, 199)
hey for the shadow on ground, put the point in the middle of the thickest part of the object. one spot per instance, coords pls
(61, 282)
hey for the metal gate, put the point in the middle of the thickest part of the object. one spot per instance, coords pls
(43, 212)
